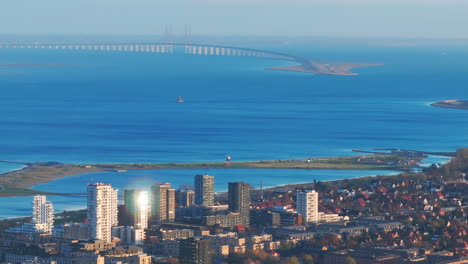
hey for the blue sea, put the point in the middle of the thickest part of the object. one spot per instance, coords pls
(109, 107)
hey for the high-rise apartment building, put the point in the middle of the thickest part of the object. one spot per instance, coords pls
(307, 206)
(239, 200)
(162, 203)
(137, 205)
(204, 190)
(195, 250)
(171, 202)
(185, 198)
(102, 211)
(43, 214)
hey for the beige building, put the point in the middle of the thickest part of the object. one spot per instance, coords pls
(328, 218)
(129, 235)
(228, 220)
(237, 249)
(97, 245)
(222, 251)
(259, 238)
(204, 190)
(78, 231)
(130, 255)
(272, 245)
(162, 203)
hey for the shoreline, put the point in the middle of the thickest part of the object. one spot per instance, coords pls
(325, 68)
(223, 194)
(281, 187)
(19, 182)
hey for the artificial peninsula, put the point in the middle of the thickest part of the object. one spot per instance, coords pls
(325, 68)
(456, 104)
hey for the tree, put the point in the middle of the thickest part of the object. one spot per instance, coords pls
(320, 186)
(352, 243)
(285, 247)
(292, 260)
(350, 260)
(307, 259)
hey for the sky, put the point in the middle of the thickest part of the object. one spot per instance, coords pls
(330, 18)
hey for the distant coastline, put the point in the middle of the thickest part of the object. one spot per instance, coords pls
(325, 68)
(456, 104)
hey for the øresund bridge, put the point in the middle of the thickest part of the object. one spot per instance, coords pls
(187, 47)
(162, 47)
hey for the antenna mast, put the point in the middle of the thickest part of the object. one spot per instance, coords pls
(261, 190)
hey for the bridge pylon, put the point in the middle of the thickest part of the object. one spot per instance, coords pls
(188, 39)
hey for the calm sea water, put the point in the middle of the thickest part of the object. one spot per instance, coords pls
(6, 167)
(80, 107)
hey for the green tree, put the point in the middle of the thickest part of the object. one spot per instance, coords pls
(292, 260)
(307, 259)
(352, 243)
(350, 260)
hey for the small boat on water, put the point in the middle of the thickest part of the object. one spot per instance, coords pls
(179, 100)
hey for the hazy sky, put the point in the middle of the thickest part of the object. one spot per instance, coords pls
(367, 18)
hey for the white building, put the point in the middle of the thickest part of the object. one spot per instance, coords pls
(43, 214)
(102, 211)
(26, 228)
(43, 218)
(129, 235)
(307, 206)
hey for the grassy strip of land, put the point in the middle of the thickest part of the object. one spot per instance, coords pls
(17, 183)
(367, 162)
(9, 192)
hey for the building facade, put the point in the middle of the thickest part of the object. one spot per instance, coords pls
(129, 235)
(204, 190)
(43, 214)
(137, 204)
(239, 200)
(307, 206)
(195, 250)
(162, 203)
(78, 231)
(102, 211)
(185, 198)
(227, 220)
